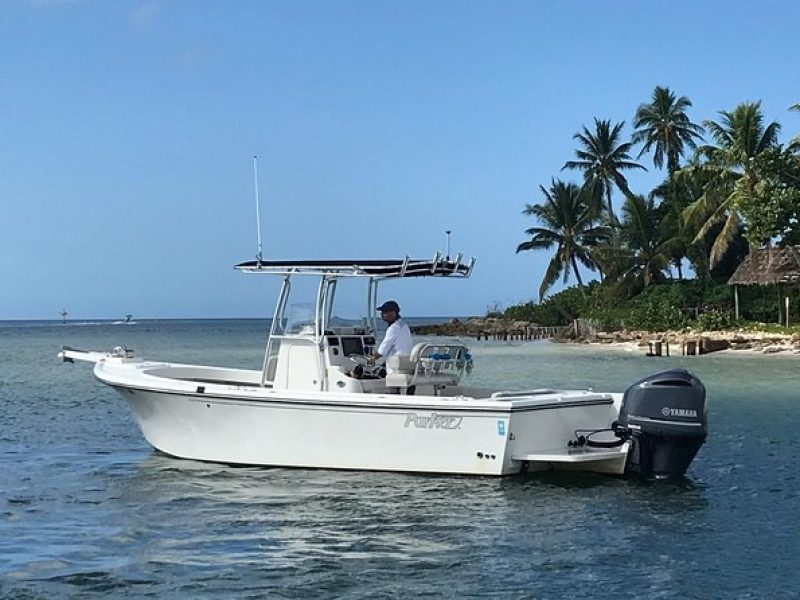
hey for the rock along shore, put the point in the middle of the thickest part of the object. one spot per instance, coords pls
(673, 342)
(702, 342)
(492, 328)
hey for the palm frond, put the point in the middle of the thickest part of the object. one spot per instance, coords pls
(550, 276)
(577, 164)
(724, 239)
(769, 137)
(718, 132)
(534, 244)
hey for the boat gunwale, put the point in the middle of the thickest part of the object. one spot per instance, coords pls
(499, 408)
(109, 373)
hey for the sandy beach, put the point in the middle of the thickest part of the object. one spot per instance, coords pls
(701, 342)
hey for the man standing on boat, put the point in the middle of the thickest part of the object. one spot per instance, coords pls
(398, 336)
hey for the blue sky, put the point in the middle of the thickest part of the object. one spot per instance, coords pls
(127, 130)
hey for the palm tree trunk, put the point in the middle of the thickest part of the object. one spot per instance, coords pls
(671, 168)
(611, 216)
(577, 273)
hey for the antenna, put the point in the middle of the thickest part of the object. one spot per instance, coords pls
(258, 208)
(447, 233)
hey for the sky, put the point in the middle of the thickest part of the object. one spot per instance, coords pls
(128, 130)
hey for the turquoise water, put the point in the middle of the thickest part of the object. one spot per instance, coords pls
(87, 509)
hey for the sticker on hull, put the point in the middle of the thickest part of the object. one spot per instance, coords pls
(433, 421)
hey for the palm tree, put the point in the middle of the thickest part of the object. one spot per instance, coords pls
(795, 143)
(676, 194)
(740, 136)
(674, 199)
(646, 246)
(603, 158)
(664, 127)
(569, 223)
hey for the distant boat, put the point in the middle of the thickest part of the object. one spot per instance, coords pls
(64, 314)
(128, 321)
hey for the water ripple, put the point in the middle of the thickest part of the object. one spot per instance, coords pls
(87, 509)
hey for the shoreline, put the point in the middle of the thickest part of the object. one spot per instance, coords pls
(636, 348)
(661, 343)
(693, 343)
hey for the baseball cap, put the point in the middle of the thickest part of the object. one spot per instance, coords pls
(389, 305)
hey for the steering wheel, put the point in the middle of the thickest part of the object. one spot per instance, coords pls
(369, 367)
(360, 360)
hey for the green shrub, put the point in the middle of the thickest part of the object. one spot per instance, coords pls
(719, 295)
(607, 318)
(715, 320)
(690, 295)
(666, 306)
(559, 309)
(543, 314)
(760, 303)
(656, 315)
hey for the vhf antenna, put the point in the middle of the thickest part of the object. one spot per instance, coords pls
(258, 208)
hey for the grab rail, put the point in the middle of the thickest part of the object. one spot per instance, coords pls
(441, 362)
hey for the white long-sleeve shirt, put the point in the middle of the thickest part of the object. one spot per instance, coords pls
(396, 341)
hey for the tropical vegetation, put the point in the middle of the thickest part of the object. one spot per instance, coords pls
(729, 185)
(568, 223)
(602, 157)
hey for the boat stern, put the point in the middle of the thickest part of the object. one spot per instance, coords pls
(545, 424)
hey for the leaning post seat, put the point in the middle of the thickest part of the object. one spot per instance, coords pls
(402, 371)
(438, 365)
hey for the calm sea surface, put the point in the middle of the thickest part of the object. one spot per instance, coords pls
(87, 509)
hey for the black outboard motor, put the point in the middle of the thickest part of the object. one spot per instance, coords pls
(665, 416)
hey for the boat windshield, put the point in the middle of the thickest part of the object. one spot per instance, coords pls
(344, 304)
(300, 318)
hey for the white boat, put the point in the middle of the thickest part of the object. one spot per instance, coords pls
(306, 408)
(128, 321)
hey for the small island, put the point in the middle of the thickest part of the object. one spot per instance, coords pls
(756, 338)
(707, 260)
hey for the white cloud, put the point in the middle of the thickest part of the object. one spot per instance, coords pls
(55, 2)
(146, 14)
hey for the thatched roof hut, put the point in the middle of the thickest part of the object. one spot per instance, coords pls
(768, 266)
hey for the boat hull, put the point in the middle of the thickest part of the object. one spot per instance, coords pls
(279, 432)
(223, 415)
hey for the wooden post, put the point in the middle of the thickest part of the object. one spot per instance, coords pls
(787, 310)
(736, 300)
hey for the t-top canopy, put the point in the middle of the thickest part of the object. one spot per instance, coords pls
(375, 268)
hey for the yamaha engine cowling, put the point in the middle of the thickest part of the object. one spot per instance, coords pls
(665, 417)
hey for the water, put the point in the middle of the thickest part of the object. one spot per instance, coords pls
(87, 509)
